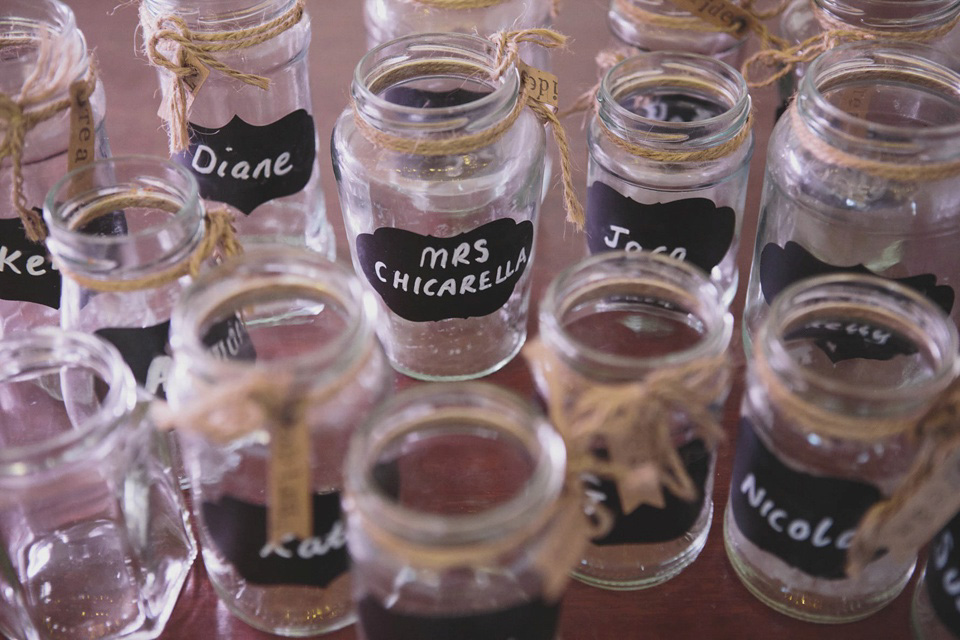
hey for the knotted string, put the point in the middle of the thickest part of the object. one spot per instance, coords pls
(479, 4)
(692, 22)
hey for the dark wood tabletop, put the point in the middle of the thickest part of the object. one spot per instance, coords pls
(707, 600)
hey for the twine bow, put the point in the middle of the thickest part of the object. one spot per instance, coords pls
(187, 56)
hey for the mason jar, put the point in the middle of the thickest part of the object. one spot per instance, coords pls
(94, 534)
(29, 284)
(250, 146)
(620, 319)
(936, 608)
(843, 367)
(459, 524)
(444, 237)
(861, 176)
(669, 156)
(319, 371)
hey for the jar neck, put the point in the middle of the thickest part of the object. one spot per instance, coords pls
(219, 15)
(433, 85)
(897, 18)
(894, 103)
(124, 218)
(637, 95)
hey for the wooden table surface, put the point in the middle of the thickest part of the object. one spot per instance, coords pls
(706, 601)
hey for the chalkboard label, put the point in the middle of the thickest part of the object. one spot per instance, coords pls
(694, 229)
(942, 579)
(425, 278)
(807, 521)
(535, 620)
(26, 272)
(145, 350)
(229, 340)
(245, 165)
(649, 524)
(239, 531)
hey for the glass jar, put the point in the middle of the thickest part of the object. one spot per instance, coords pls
(458, 520)
(95, 540)
(447, 240)
(252, 147)
(311, 325)
(620, 319)
(29, 284)
(843, 367)
(861, 176)
(935, 613)
(670, 148)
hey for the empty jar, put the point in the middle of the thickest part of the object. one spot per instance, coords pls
(95, 540)
(670, 148)
(843, 367)
(936, 609)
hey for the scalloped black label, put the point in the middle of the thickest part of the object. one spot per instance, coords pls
(245, 165)
(425, 278)
(26, 272)
(692, 229)
(942, 580)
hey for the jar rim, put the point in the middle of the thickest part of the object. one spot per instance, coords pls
(922, 18)
(52, 16)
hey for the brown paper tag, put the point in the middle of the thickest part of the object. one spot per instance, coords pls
(721, 13)
(289, 482)
(542, 85)
(856, 102)
(200, 73)
(80, 149)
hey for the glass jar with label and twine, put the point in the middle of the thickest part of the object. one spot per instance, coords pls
(439, 163)
(843, 369)
(236, 102)
(51, 117)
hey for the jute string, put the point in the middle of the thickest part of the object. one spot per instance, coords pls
(694, 23)
(479, 4)
(770, 64)
(634, 421)
(173, 46)
(46, 93)
(507, 57)
(218, 237)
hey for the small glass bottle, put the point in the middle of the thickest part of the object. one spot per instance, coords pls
(252, 148)
(446, 240)
(94, 534)
(843, 367)
(29, 285)
(621, 318)
(311, 325)
(861, 176)
(670, 148)
(458, 517)
(936, 609)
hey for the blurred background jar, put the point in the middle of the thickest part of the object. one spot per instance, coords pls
(250, 137)
(319, 371)
(670, 148)
(843, 367)
(44, 64)
(95, 540)
(935, 613)
(861, 176)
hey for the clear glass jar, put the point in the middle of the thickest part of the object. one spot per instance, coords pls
(659, 25)
(251, 148)
(95, 539)
(618, 318)
(843, 367)
(455, 509)
(936, 610)
(861, 176)
(311, 325)
(670, 148)
(29, 285)
(446, 241)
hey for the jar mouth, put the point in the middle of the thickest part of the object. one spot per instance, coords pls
(429, 411)
(892, 14)
(28, 20)
(639, 275)
(25, 357)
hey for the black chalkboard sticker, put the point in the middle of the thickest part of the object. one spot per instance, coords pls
(145, 350)
(942, 580)
(693, 229)
(425, 278)
(26, 272)
(245, 165)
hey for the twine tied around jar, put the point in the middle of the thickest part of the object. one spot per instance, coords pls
(633, 422)
(188, 56)
(704, 18)
(506, 45)
(219, 237)
(37, 102)
(479, 4)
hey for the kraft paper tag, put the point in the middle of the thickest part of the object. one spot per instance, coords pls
(721, 13)
(289, 482)
(80, 149)
(856, 102)
(541, 85)
(200, 73)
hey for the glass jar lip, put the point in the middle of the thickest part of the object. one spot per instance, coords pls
(541, 490)
(782, 314)
(60, 21)
(909, 53)
(52, 349)
(191, 205)
(260, 10)
(946, 11)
